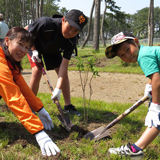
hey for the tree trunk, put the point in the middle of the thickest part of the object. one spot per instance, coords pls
(6, 12)
(102, 34)
(13, 16)
(23, 12)
(151, 23)
(32, 10)
(96, 25)
(41, 8)
(37, 9)
(11, 13)
(89, 26)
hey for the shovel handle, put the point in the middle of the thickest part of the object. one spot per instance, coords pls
(124, 114)
(51, 89)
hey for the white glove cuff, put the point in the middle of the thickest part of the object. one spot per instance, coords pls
(35, 53)
(40, 135)
(154, 107)
(148, 86)
(42, 111)
(57, 90)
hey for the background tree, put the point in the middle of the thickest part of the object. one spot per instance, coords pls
(89, 26)
(151, 23)
(140, 23)
(32, 10)
(110, 4)
(37, 9)
(23, 12)
(156, 22)
(63, 11)
(41, 8)
(96, 25)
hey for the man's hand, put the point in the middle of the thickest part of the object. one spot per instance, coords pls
(45, 119)
(47, 146)
(56, 94)
(148, 90)
(35, 54)
(153, 115)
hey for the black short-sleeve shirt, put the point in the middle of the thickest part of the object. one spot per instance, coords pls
(49, 40)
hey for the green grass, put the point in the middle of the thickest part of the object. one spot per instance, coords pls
(73, 147)
(103, 64)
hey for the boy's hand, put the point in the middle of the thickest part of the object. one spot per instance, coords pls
(46, 119)
(35, 54)
(47, 146)
(56, 94)
(148, 90)
(153, 115)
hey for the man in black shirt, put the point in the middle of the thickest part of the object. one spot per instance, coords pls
(52, 36)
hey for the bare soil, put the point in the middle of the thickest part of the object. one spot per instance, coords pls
(109, 87)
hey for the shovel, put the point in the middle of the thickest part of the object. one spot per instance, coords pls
(102, 132)
(66, 122)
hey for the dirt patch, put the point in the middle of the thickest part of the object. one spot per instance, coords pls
(109, 87)
(80, 130)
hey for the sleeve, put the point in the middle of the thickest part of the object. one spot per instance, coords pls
(33, 101)
(148, 65)
(16, 101)
(68, 52)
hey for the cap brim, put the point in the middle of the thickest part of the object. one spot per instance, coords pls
(108, 51)
(72, 23)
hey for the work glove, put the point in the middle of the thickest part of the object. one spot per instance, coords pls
(153, 115)
(47, 146)
(35, 54)
(45, 119)
(56, 94)
(148, 91)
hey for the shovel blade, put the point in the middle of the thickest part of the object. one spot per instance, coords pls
(91, 135)
(68, 125)
(100, 136)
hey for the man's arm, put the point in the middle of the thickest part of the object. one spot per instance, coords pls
(62, 72)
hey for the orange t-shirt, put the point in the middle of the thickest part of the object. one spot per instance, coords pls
(18, 96)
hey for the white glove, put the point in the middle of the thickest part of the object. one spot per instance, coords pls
(45, 119)
(153, 115)
(47, 146)
(56, 94)
(148, 90)
(35, 54)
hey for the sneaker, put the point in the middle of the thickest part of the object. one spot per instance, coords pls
(71, 109)
(125, 150)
